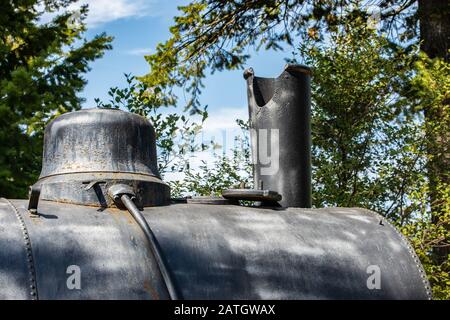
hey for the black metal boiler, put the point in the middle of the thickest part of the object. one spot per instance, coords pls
(100, 223)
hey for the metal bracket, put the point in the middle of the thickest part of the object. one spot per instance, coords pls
(211, 200)
(117, 190)
(35, 192)
(252, 195)
(264, 198)
(91, 184)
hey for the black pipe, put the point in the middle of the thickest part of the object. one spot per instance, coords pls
(279, 110)
(154, 246)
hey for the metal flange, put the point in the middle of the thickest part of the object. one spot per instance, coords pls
(252, 195)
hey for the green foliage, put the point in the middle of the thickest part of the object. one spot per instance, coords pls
(227, 171)
(360, 132)
(371, 143)
(41, 73)
(428, 218)
(431, 89)
(428, 231)
(214, 35)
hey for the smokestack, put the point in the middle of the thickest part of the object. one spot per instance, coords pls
(280, 112)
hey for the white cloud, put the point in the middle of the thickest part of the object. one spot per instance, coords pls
(139, 51)
(221, 127)
(225, 119)
(104, 11)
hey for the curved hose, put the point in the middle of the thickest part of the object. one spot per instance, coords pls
(154, 246)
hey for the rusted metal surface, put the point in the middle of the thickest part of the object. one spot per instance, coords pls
(97, 148)
(283, 104)
(71, 188)
(235, 252)
(210, 200)
(153, 244)
(17, 273)
(212, 251)
(108, 246)
(99, 140)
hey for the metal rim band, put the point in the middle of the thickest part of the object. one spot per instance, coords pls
(28, 251)
(102, 172)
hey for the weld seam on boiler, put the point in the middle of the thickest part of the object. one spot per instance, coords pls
(411, 251)
(28, 251)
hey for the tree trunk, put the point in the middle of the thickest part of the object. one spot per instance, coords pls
(434, 19)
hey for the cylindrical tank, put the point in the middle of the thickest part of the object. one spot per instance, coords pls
(81, 244)
(212, 251)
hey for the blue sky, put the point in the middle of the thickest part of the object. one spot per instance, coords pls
(137, 27)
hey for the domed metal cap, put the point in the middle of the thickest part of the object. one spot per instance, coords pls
(88, 151)
(99, 140)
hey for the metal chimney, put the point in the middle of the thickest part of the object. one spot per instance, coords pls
(279, 111)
